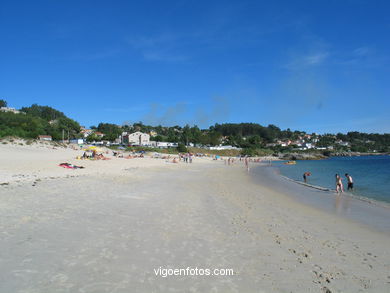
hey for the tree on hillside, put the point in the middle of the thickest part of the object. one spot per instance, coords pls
(255, 140)
(157, 138)
(57, 121)
(25, 126)
(44, 112)
(172, 135)
(214, 138)
(186, 135)
(3, 103)
(111, 131)
(196, 134)
(93, 138)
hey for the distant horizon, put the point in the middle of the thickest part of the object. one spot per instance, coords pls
(315, 66)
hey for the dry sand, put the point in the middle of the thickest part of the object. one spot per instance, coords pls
(107, 227)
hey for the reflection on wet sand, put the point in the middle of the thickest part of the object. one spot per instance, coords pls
(342, 204)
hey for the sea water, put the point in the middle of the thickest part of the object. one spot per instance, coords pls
(371, 174)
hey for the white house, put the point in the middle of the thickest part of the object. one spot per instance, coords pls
(306, 146)
(343, 143)
(9, 109)
(99, 134)
(77, 141)
(163, 144)
(45, 137)
(136, 138)
(86, 132)
(224, 147)
(271, 144)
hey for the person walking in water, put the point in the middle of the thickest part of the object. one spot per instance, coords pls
(350, 181)
(339, 184)
(305, 175)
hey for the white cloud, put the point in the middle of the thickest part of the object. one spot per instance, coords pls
(155, 55)
(364, 57)
(161, 47)
(307, 61)
(362, 51)
(144, 42)
(317, 58)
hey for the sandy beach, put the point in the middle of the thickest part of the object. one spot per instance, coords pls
(110, 226)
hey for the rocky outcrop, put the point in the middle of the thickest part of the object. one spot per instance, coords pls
(302, 156)
(319, 156)
(353, 154)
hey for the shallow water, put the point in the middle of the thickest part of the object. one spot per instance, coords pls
(371, 174)
(376, 216)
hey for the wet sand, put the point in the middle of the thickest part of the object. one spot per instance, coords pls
(373, 214)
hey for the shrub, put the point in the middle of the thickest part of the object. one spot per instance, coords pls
(181, 148)
(253, 152)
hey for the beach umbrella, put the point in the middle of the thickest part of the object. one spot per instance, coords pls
(93, 148)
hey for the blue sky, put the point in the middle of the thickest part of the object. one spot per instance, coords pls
(318, 66)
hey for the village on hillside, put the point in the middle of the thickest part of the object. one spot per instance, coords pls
(46, 123)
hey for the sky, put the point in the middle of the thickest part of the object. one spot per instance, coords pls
(317, 66)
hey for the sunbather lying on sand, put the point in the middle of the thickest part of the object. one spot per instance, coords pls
(70, 166)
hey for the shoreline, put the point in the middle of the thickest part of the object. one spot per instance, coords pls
(362, 210)
(369, 187)
(345, 193)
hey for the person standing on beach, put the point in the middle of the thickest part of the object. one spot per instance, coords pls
(350, 181)
(339, 184)
(246, 163)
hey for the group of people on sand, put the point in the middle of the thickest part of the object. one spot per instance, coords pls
(229, 161)
(339, 183)
(129, 156)
(186, 158)
(94, 156)
(245, 159)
